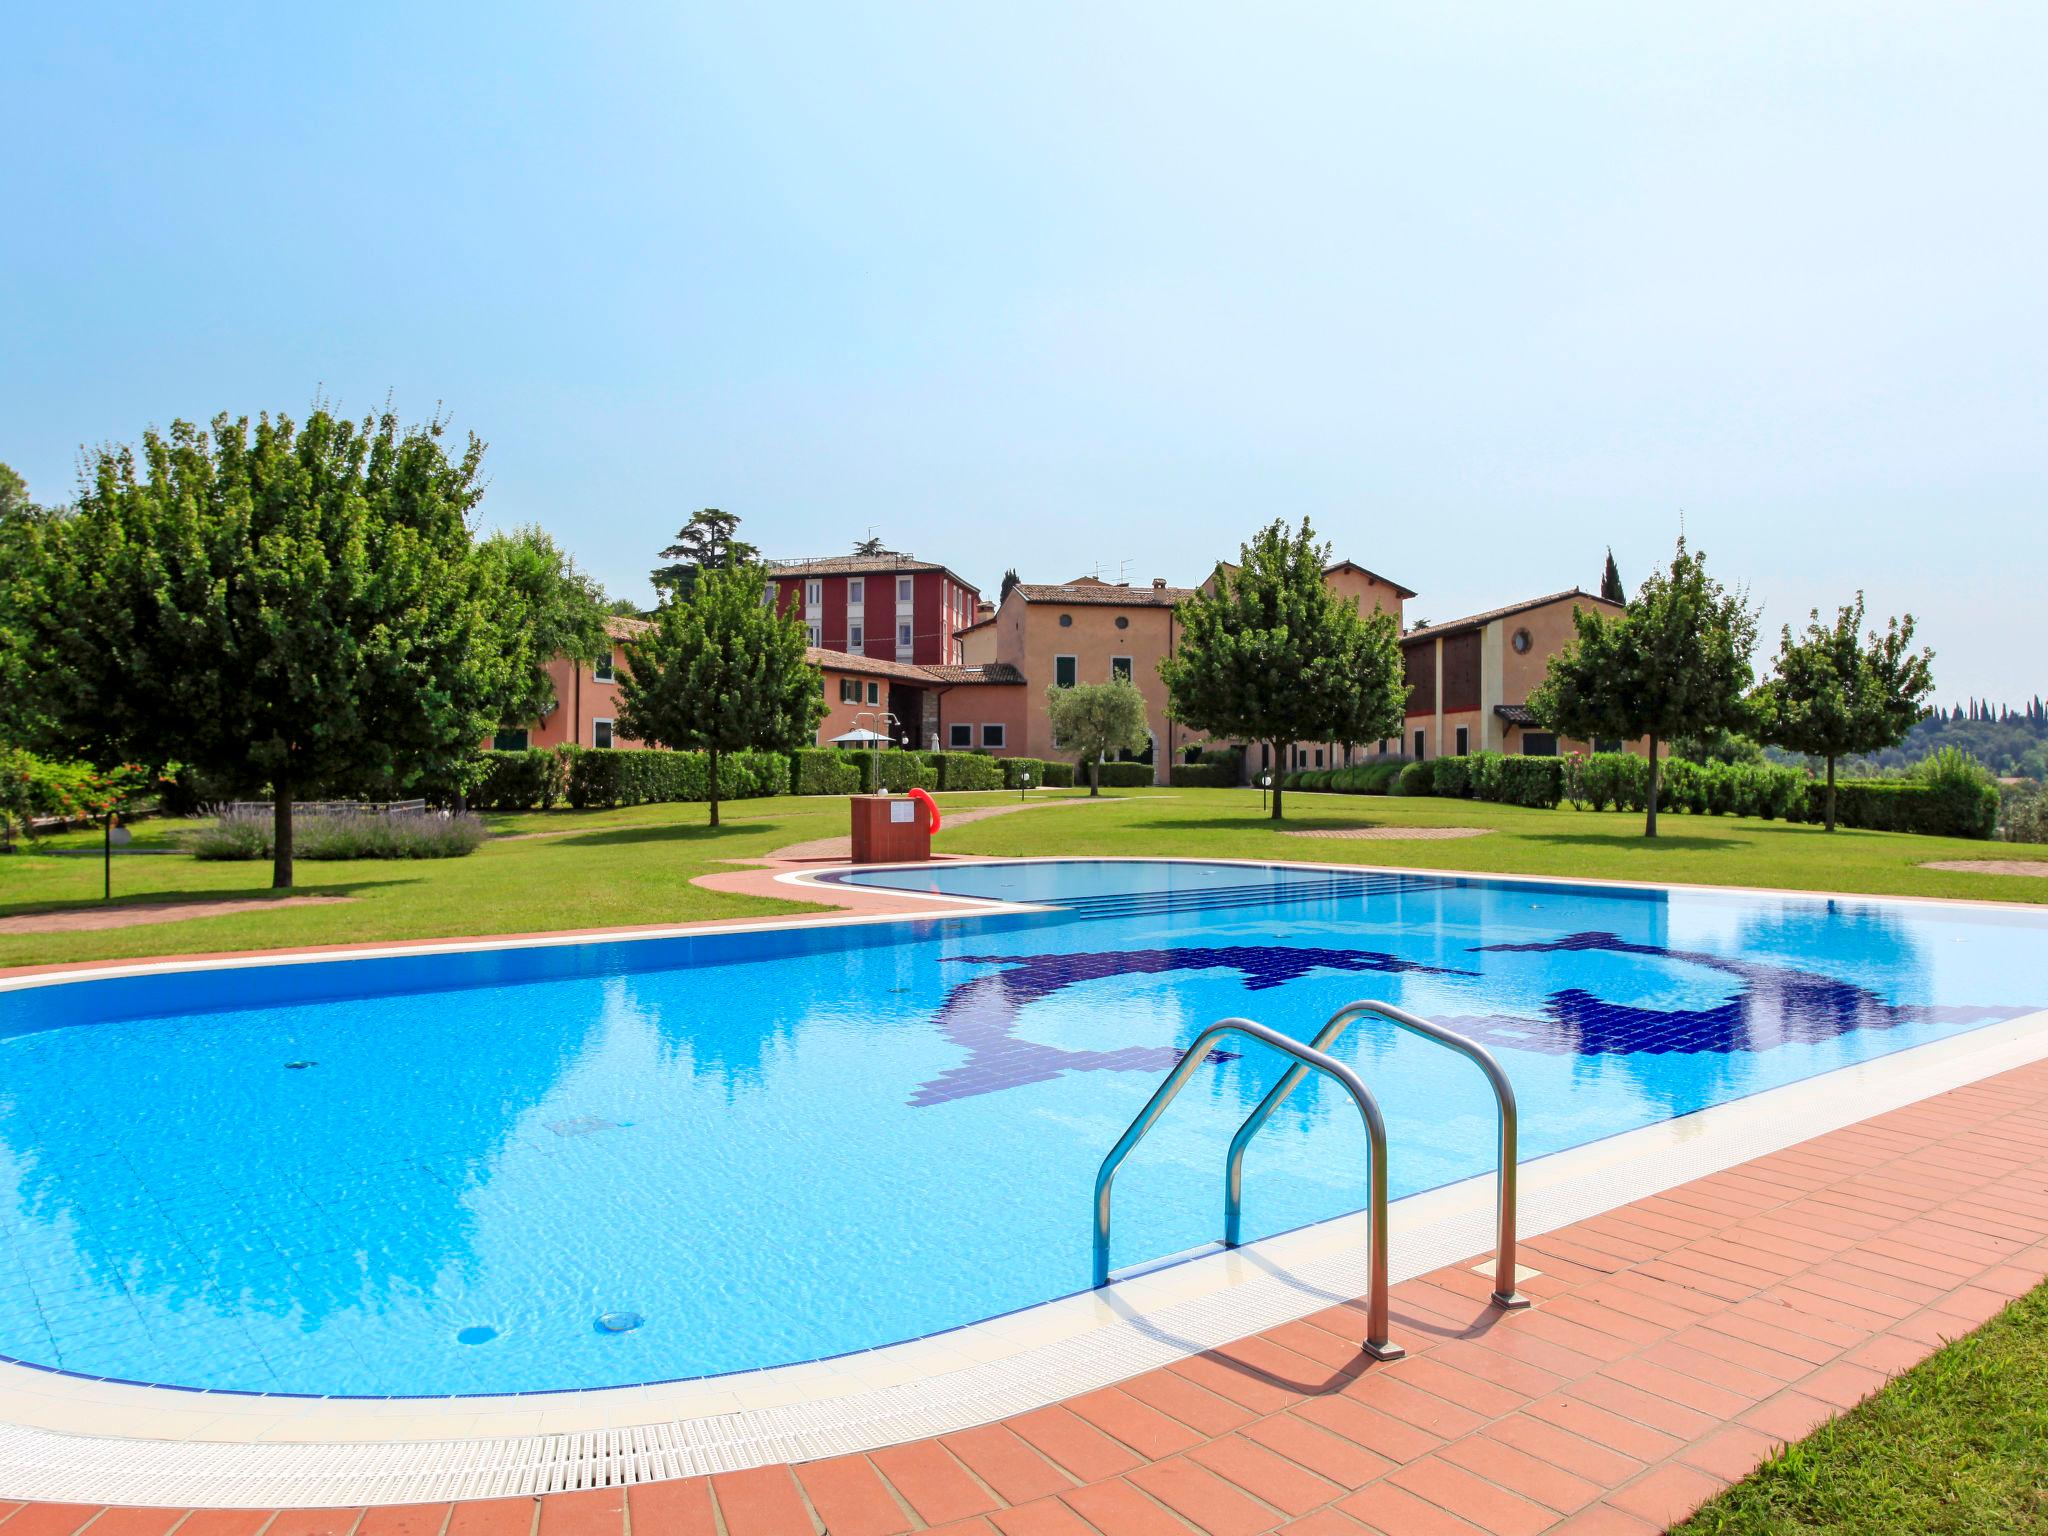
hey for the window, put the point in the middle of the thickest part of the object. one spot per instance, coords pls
(903, 634)
(814, 592)
(1063, 674)
(1123, 621)
(600, 733)
(509, 741)
(849, 690)
(902, 589)
(1539, 744)
(856, 636)
(1066, 621)
(1418, 746)
(601, 669)
(1601, 744)
(959, 737)
(992, 736)
(814, 631)
(1319, 757)
(768, 595)
(856, 590)
(1464, 740)
(1120, 667)
(874, 693)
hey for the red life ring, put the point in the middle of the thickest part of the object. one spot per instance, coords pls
(930, 805)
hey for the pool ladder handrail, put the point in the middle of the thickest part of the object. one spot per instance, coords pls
(1306, 1057)
(1505, 1293)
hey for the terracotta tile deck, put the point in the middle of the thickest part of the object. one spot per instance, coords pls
(1674, 1343)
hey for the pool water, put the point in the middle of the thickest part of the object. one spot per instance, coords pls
(595, 1164)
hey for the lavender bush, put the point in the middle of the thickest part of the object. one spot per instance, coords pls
(246, 834)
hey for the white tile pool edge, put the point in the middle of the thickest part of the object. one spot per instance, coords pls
(64, 1438)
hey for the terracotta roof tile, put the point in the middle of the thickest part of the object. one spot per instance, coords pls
(1104, 595)
(1481, 620)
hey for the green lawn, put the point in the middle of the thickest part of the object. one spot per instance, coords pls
(1958, 1446)
(635, 865)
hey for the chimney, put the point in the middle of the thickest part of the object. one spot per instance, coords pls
(1158, 583)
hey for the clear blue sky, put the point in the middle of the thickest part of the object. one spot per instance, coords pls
(1481, 289)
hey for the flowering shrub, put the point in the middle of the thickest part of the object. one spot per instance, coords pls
(343, 835)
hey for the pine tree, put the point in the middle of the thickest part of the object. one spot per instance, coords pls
(1610, 580)
(709, 541)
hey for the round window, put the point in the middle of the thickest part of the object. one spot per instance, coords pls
(1066, 621)
(1122, 622)
(1522, 642)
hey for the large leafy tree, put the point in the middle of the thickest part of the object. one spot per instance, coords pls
(291, 606)
(20, 518)
(709, 541)
(1093, 720)
(546, 608)
(1835, 691)
(1271, 654)
(1674, 663)
(721, 671)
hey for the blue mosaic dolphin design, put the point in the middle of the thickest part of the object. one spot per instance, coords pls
(1776, 1005)
(981, 1015)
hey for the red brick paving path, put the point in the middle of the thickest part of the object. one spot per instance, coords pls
(1675, 1341)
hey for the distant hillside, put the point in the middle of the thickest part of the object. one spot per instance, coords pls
(2010, 742)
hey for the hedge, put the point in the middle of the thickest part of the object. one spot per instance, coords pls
(1058, 775)
(522, 781)
(1203, 775)
(1419, 778)
(1900, 805)
(1014, 769)
(1121, 775)
(968, 770)
(607, 776)
(904, 770)
(1621, 781)
(823, 771)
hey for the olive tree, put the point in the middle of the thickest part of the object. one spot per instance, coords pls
(1093, 720)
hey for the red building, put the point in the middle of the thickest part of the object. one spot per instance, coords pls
(886, 607)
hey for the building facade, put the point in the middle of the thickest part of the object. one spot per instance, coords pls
(586, 708)
(886, 607)
(1469, 681)
(928, 709)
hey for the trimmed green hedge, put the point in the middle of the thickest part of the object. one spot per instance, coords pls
(823, 771)
(608, 776)
(1418, 778)
(1120, 775)
(1203, 775)
(1621, 781)
(1900, 805)
(1058, 775)
(905, 770)
(522, 781)
(968, 770)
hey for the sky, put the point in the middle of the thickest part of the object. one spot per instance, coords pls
(1481, 290)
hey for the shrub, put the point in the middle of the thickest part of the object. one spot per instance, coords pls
(1203, 775)
(902, 770)
(610, 776)
(1014, 769)
(968, 770)
(1530, 781)
(2023, 813)
(1126, 775)
(1379, 778)
(1453, 778)
(521, 781)
(1418, 778)
(343, 835)
(1901, 805)
(823, 771)
(1059, 775)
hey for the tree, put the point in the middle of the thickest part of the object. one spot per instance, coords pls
(1610, 581)
(1271, 654)
(1092, 720)
(709, 541)
(546, 608)
(869, 547)
(1009, 581)
(20, 517)
(291, 606)
(1836, 692)
(721, 671)
(1674, 663)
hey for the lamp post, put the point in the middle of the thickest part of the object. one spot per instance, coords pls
(1265, 782)
(1023, 783)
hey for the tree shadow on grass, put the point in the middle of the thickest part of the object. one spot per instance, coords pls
(184, 897)
(1242, 822)
(1622, 842)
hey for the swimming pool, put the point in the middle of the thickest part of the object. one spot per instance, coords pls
(539, 1168)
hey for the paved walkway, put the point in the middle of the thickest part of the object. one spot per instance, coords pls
(1674, 1343)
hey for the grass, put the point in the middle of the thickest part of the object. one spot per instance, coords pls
(1957, 1446)
(603, 868)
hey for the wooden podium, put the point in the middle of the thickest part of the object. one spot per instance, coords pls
(890, 829)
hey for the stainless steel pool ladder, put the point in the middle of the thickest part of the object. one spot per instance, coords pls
(1504, 1292)
(1308, 1058)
